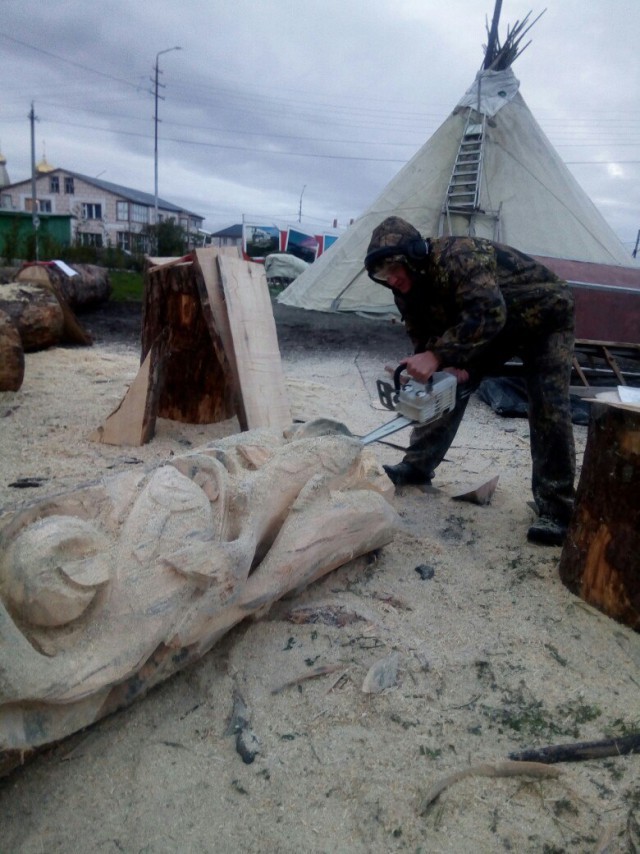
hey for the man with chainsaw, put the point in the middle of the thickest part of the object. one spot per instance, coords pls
(470, 305)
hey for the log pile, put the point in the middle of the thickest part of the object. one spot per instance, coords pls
(35, 316)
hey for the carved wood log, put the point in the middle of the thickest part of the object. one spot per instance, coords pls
(197, 386)
(111, 588)
(600, 560)
(11, 355)
(36, 312)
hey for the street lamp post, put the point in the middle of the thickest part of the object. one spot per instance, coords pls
(155, 122)
(300, 205)
(34, 200)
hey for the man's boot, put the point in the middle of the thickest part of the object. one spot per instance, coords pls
(405, 474)
(547, 531)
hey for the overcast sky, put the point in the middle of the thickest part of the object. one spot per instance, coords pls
(281, 110)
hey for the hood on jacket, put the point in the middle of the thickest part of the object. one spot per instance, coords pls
(396, 239)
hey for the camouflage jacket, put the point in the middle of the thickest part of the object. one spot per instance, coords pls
(470, 290)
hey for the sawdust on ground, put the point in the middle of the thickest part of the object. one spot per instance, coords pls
(494, 654)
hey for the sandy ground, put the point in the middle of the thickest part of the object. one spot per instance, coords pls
(494, 654)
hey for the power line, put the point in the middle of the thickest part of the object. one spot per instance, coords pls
(290, 153)
(69, 61)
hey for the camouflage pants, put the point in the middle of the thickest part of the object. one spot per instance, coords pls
(547, 371)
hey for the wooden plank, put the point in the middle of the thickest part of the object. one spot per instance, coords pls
(133, 422)
(255, 343)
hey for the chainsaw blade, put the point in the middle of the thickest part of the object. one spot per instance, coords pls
(392, 426)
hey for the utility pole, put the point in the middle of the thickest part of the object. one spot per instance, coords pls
(300, 206)
(635, 249)
(34, 201)
(155, 124)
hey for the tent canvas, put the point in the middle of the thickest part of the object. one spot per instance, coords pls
(527, 198)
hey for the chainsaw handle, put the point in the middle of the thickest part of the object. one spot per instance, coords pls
(396, 377)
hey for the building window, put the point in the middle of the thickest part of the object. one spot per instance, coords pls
(42, 205)
(91, 210)
(132, 241)
(139, 213)
(87, 239)
(140, 242)
(122, 213)
(68, 186)
(124, 238)
(7, 202)
(54, 184)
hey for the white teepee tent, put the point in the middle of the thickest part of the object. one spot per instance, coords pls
(519, 193)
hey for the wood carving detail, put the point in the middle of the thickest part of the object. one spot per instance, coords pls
(109, 589)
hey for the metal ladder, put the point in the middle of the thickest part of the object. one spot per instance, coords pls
(464, 185)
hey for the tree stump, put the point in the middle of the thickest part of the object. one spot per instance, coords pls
(197, 384)
(11, 355)
(600, 561)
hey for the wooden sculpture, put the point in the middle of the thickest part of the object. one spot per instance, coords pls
(109, 589)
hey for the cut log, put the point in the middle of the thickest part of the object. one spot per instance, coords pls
(36, 313)
(88, 288)
(109, 589)
(52, 279)
(600, 561)
(197, 386)
(11, 355)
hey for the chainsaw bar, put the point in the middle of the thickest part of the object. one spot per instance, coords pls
(392, 426)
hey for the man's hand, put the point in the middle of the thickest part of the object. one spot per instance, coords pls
(421, 366)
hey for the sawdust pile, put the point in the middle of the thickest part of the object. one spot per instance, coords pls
(484, 650)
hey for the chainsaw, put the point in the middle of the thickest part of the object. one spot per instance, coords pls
(416, 403)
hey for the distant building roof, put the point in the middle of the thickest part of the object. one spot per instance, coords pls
(136, 196)
(230, 231)
(132, 195)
